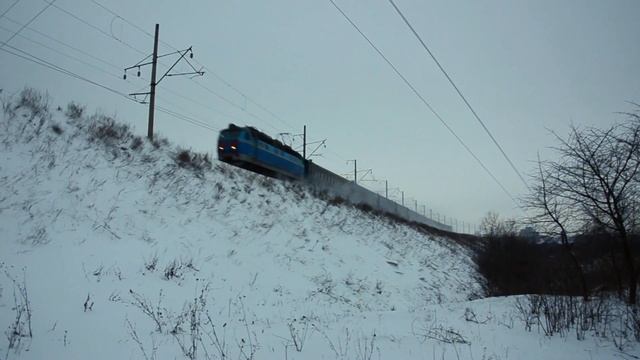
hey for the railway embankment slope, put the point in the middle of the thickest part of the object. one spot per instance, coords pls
(113, 235)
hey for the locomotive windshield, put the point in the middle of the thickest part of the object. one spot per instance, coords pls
(229, 133)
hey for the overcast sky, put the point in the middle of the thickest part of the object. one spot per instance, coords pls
(527, 67)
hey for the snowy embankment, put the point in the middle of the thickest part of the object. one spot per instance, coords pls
(116, 248)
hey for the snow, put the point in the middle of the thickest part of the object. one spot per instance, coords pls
(264, 263)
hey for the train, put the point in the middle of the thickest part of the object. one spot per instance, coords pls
(251, 149)
(254, 150)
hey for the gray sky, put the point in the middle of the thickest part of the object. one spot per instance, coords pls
(527, 67)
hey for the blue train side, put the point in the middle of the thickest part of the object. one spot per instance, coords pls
(251, 149)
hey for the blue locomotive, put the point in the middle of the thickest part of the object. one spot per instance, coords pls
(253, 150)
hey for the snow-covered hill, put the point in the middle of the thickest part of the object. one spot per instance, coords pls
(113, 247)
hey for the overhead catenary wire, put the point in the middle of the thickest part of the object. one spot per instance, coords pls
(9, 8)
(186, 118)
(37, 60)
(78, 50)
(423, 100)
(116, 76)
(78, 18)
(30, 57)
(216, 75)
(104, 33)
(221, 97)
(473, 111)
(65, 54)
(49, 4)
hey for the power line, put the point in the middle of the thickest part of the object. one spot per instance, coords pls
(234, 104)
(9, 8)
(186, 112)
(65, 54)
(27, 23)
(424, 101)
(220, 78)
(186, 118)
(78, 18)
(37, 60)
(175, 93)
(424, 45)
(65, 44)
(42, 62)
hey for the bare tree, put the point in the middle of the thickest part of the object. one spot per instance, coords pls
(492, 225)
(595, 181)
(554, 215)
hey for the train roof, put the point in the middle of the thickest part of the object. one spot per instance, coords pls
(267, 139)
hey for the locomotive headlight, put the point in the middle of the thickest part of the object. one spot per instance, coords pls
(234, 147)
(220, 147)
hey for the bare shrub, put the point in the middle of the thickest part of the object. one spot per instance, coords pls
(337, 201)
(88, 303)
(107, 129)
(155, 313)
(173, 270)
(183, 158)
(443, 334)
(602, 316)
(74, 110)
(193, 314)
(298, 331)
(7, 106)
(339, 346)
(36, 105)
(365, 346)
(325, 284)
(134, 335)
(34, 100)
(470, 315)
(20, 327)
(194, 161)
(136, 143)
(159, 142)
(152, 263)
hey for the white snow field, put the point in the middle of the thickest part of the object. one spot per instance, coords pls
(112, 248)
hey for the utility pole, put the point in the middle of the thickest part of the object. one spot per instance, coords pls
(386, 189)
(416, 203)
(402, 197)
(304, 142)
(152, 96)
(152, 86)
(355, 170)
